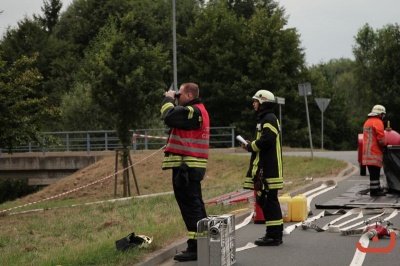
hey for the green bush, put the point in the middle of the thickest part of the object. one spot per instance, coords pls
(11, 189)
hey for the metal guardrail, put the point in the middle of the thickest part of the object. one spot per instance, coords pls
(105, 140)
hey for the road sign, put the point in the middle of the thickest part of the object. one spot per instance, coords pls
(280, 100)
(305, 89)
(322, 103)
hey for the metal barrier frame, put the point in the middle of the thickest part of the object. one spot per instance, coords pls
(105, 140)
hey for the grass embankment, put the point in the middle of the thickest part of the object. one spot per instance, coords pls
(86, 234)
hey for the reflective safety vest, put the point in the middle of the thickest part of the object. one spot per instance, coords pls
(189, 146)
(373, 141)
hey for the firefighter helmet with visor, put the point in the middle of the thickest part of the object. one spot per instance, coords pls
(377, 110)
(264, 96)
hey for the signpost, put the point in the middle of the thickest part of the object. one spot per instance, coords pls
(305, 90)
(280, 101)
(322, 104)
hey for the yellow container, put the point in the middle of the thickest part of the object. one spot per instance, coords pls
(299, 208)
(286, 207)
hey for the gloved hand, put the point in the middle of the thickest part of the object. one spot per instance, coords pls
(245, 146)
(261, 188)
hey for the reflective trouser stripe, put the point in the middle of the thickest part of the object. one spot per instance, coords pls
(248, 183)
(192, 235)
(274, 223)
(374, 184)
(275, 182)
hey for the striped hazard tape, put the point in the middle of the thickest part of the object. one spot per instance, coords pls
(3, 212)
(146, 136)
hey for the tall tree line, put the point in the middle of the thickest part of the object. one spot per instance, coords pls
(105, 64)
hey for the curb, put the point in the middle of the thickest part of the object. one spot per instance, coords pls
(168, 253)
(350, 170)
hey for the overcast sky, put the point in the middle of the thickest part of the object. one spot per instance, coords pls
(327, 27)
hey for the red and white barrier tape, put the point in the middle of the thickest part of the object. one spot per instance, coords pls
(147, 136)
(3, 212)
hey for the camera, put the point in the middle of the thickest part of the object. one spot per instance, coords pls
(177, 95)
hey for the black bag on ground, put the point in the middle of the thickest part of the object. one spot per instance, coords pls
(131, 241)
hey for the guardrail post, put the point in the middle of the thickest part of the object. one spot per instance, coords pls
(67, 141)
(88, 143)
(44, 146)
(233, 137)
(145, 140)
(134, 147)
(106, 141)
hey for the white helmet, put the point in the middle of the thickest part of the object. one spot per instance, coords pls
(377, 110)
(264, 96)
(133, 241)
(146, 241)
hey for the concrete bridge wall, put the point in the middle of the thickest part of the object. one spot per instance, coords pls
(44, 170)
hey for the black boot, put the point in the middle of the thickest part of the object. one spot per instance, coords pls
(377, 193)
(264, 241)
(186, 255)
(190, 254)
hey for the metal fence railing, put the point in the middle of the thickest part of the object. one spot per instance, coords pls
(105, 140)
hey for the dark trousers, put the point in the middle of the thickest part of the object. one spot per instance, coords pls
(374, 173)
(273, 214)
(189, 197)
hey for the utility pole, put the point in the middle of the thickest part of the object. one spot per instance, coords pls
(174, 46)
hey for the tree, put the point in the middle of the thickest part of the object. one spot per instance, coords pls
(233, 52)
(377, 55)
(26, 39)
(29, 38)
(80, 113)
(125, 75)
(23, 112)
(51, 11)
(335, 80)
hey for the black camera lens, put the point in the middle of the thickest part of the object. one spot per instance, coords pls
(177, 95)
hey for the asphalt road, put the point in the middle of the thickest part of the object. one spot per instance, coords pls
(309, 247)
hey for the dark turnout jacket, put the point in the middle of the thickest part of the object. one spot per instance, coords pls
(266, 152)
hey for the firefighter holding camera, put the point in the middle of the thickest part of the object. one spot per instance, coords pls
(186, 153)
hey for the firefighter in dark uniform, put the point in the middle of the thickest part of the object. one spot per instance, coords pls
(186, 153)
(265, 171)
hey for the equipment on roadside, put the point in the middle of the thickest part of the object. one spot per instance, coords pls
(216, 243)
(299, 210)
(285, 201)
(379, 229)
(132, 241)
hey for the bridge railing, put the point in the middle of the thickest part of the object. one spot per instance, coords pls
(105, 140)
